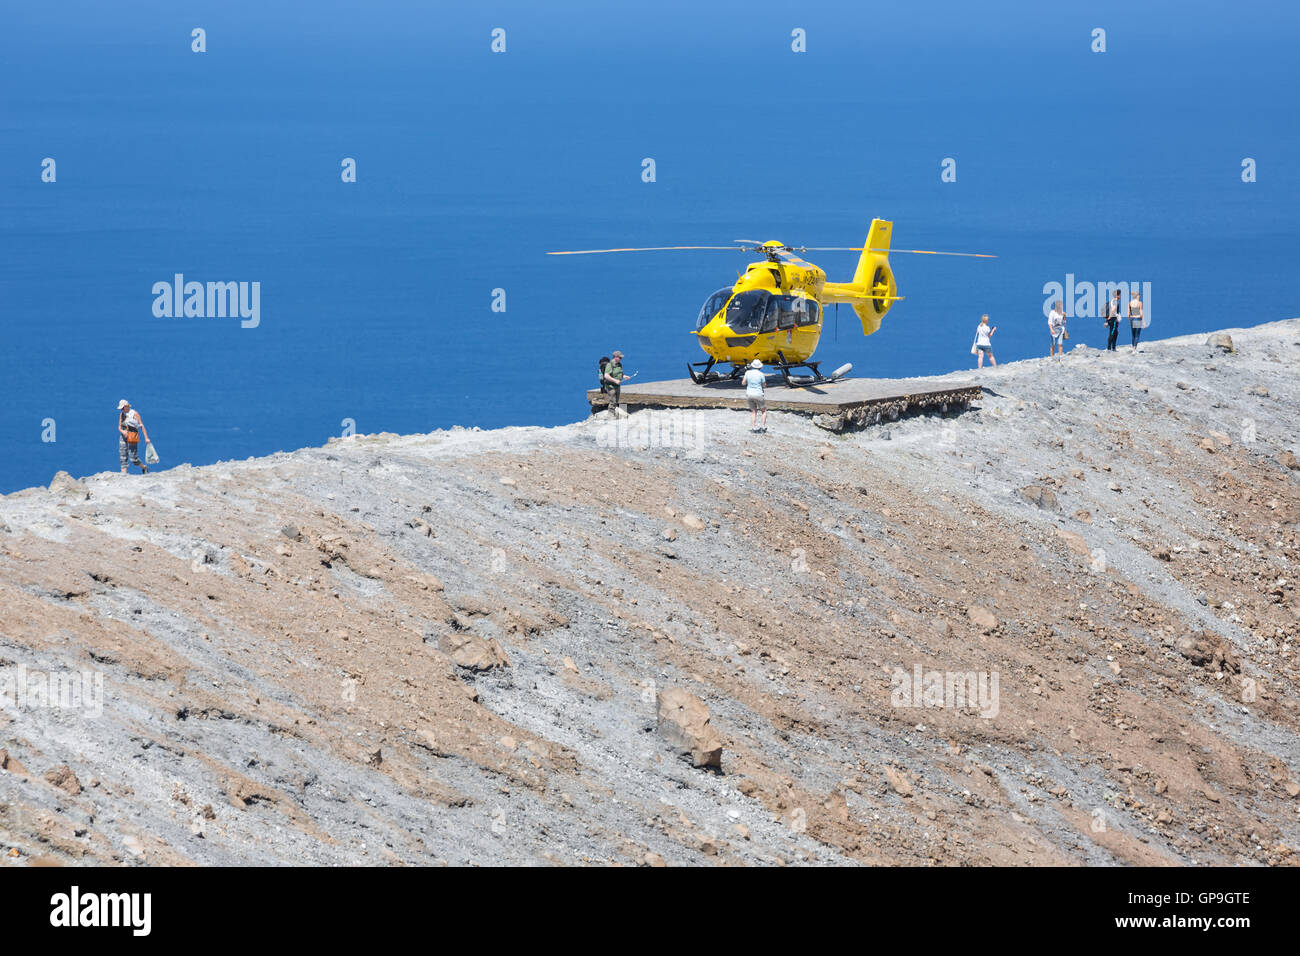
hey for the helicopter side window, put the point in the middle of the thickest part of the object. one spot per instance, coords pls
(785, 318)
(807, 312)
(745, 312)
(771, 315)
(712, 307)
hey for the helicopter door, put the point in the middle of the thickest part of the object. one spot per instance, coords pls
(805, 312)
(785, 317)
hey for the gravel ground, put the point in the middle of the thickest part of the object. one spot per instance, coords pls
(449, 648)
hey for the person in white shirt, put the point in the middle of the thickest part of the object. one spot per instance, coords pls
(1056, 326)
(755, 394)
(984, 342)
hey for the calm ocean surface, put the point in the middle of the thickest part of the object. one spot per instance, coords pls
(376, 295)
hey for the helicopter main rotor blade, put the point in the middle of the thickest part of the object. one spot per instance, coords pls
(917, 252)
(589, 252)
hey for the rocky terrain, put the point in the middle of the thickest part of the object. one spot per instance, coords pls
(667, 639)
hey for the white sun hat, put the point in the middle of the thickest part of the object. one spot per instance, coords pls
(122, 404)
(756, 364)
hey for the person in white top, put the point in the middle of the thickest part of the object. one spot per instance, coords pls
(984, 342)
(756, 395)
(1136, 318)
(1056, 326)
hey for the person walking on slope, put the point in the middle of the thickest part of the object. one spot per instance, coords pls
(1056, 326)
(1111, 312)
(129, 428)
(756, 395)
(1136, 318)
(984, 342)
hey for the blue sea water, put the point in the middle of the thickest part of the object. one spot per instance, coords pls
(376, 295)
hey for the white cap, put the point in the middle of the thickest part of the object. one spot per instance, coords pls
(122, 404)
(756, 364)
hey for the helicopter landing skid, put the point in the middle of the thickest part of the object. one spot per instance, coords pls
(799, 381)
(707, 374)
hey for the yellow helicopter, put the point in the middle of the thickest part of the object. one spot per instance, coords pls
(774, 311)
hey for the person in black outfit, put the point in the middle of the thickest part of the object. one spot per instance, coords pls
(1111, 314)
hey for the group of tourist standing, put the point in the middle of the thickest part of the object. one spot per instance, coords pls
(1112, 313)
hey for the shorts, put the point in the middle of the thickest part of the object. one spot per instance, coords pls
(1059, 340)
(985, 348)
(756, 404)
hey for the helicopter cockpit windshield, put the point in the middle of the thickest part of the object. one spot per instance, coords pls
(745, 312)
(712, 307)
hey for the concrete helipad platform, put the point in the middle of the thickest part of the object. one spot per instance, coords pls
(833, 405)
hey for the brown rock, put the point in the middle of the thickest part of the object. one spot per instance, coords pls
(473, 652)
(11, 765)
(1074, 541)
(898, 780)
(1195, 650)
(684, 724)
(693, 522)
(64, 484)
(1041, 497)
(653, 859)
(1220, 340)
(982, 617)
(1288, 460)
(1205, 650)
(63, 778)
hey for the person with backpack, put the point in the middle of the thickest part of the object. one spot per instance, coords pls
(1110, 312)
(756, 395)
(129, 429)
(612, 379)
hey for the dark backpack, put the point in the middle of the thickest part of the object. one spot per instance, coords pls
(604, 385)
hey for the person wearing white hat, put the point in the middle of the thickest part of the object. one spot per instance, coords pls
(129, 429)
(755, 394)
